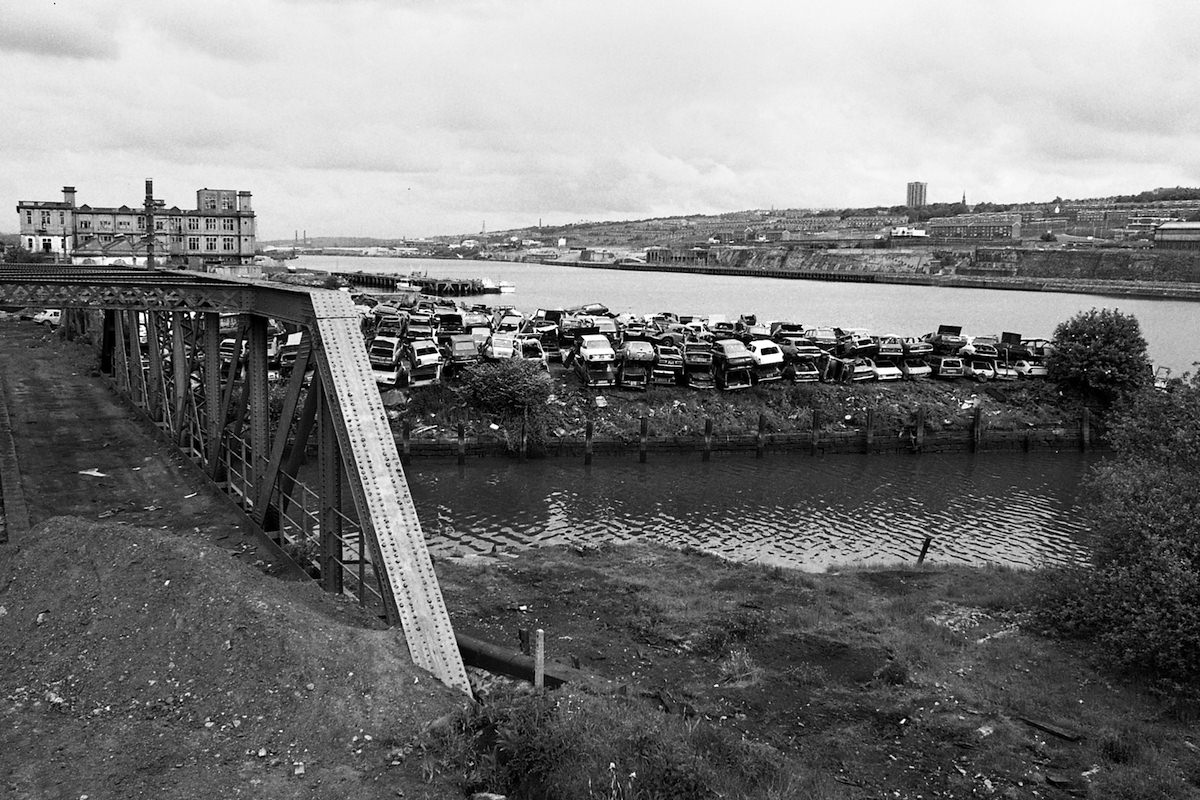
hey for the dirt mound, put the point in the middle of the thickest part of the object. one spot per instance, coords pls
(135, 663)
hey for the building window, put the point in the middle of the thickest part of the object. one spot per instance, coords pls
(141, 223)
(210, 224)
(193, 243)
(106, 237)
(160, 224)
(62, 218)
(106, 224)
(45, 219)
(193, 224)
(210, 203)
(210, 243)
(85, 223)
(227, 203)
(227, 224)
(122, 224)
(226, 242)
(29, 221)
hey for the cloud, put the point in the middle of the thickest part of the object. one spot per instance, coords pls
(54, 32)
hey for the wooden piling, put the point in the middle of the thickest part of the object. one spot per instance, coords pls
(869, 439)
(708, 429)
(816, 432)
(924, 550)
(587, 444)
(919, 433)
(643, 434)
(462, 444)
(761, 436)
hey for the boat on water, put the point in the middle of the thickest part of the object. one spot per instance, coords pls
(494, 286)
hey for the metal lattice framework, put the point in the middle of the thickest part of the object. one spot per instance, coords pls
(194, 352)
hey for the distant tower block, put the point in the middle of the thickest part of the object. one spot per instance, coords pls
(916, 194)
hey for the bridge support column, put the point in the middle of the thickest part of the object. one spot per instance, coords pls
(212, 420)
(154, 393)
(256, 385)
(330, 478)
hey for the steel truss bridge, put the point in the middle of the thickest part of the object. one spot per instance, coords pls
(159, 334)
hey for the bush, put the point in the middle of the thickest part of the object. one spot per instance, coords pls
(577, 746)
(1100, 355)
(1139, 599)
(514, 392)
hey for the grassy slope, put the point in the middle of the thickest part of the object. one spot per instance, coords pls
(911, 683)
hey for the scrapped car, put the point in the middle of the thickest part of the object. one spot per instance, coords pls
(915, 368)
(768, 359)
(943, 366)
(1028, 368)
(668, 365)
(947, 340)
(978, 370)
(884, 369)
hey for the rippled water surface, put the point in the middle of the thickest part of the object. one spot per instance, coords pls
(799, 511)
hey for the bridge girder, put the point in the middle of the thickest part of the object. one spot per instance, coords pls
(161, 340)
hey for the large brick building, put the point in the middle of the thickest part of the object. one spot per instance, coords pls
(975, 226)
(218, 232)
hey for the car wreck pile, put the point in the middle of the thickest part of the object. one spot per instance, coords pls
(432, 340)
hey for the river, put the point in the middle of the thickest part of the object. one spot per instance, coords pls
(1171, 327)
(1016, 509)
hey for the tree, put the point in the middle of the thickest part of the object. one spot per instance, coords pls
(1100, 355)
(1138, 600)
(19, 255)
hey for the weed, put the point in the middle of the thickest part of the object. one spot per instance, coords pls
(1122, 746)
(739, 669)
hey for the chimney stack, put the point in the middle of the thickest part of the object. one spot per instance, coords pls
(69, 195)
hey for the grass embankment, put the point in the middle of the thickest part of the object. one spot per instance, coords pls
(435, 411)
(742, 681)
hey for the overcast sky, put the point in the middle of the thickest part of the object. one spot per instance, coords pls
(388, 118)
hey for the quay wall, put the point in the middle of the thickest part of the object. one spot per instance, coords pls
(1082, 434)
(1121, 273)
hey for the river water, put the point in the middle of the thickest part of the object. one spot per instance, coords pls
(1171, 327)
(1017, 509)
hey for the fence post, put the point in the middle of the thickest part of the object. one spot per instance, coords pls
(642, 435)
(759, 440)
(539, 659)
(1085, 428)
(919, 434)
(869, 440)
(816, 431)
(708, 428)
(587, 444)
(462, 444)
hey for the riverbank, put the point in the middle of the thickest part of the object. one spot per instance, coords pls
(924, 415)
(906, 683)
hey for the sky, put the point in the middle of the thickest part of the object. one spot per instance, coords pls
(406, 118)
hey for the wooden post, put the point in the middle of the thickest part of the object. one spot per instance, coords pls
(816, 431)
(1085, 428)
(462, 444)
(708, 428)
(761, 436)
(643, 433)
(869, 440)
(919, 434)
(539, 659)
(525, 437)
(406, 442)
(924, 550)
(587, 443)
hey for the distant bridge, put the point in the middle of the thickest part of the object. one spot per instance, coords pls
(159, 336)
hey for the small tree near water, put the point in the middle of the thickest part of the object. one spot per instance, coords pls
(1100, 355)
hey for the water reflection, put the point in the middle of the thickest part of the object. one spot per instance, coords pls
(798, 511)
